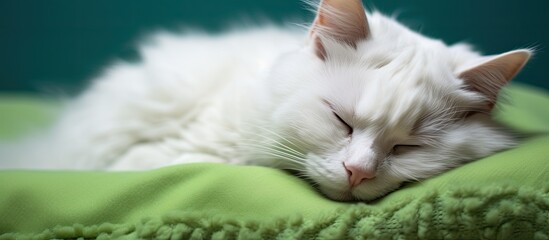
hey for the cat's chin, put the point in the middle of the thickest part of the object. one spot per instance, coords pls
(362, 193)
(345, 195)
(339, 195)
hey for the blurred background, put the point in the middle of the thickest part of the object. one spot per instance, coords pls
(56, 46)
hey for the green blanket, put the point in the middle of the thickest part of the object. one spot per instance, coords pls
(504, 196)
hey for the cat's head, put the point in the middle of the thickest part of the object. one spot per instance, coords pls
(368, 104)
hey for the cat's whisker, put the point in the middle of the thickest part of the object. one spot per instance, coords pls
(320, 134)
(254, 126)
(264, 149)
(281, 157)
(277, 153)
(279, 147)
(276, 141)
(284, 138)
(270, 155)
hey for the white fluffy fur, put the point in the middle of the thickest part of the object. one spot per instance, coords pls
(259, 97)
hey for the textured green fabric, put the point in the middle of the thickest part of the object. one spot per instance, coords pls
(20, 114)
(504, 196)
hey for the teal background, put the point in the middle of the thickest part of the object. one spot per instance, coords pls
(58, 45)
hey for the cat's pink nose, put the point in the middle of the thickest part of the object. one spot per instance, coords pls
(358, 174)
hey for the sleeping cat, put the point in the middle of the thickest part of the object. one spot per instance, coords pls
(359, 104)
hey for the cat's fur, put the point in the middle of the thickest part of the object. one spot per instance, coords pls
(355, 94)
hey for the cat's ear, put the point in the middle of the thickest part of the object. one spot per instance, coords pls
(492, 73)
(340, 20)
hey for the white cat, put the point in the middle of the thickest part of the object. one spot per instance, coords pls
(359, 104)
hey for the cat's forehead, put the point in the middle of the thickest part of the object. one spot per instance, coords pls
(395, 94)
(396, 107)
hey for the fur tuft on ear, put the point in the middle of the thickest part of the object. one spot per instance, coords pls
(340, 20)
(492, 73)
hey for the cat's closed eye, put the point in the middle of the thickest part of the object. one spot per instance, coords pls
(349, 127)
(402, 148)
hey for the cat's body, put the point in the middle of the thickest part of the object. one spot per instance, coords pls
(187, 100)
(359, 106)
